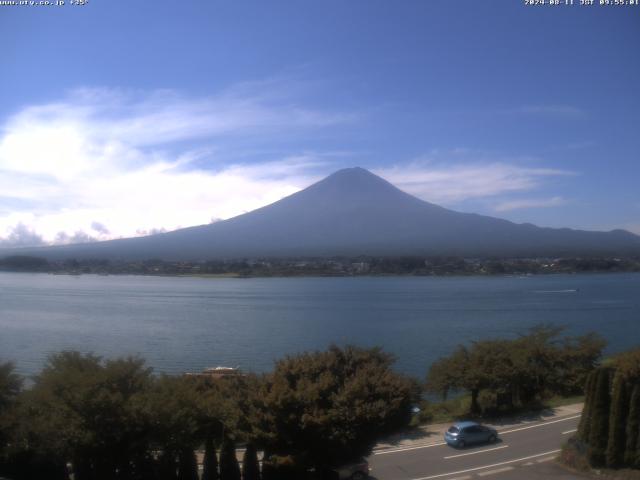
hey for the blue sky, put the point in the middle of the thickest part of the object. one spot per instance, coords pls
(122, 118)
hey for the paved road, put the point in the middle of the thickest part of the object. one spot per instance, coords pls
(522, 452)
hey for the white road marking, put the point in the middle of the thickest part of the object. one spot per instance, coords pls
(396, 450)
(570, 431)
(476, 452)
(493, 472)
(538, 425)
(545, 459)
(466, 477)
(487, 466)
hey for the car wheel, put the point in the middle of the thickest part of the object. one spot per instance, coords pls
(492, 439)
(461, 443)
(358, 476)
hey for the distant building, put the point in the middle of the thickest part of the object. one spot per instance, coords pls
(360, 267)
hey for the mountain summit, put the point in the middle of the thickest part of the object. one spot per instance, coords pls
(354, 212)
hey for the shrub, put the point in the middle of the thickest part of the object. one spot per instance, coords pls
(599, 419)
(617, 423)
(633, 430)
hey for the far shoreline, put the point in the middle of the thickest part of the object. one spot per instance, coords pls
(237, 276)
(346, 266)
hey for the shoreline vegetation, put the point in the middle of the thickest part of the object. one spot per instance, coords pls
(101, 419)
(608, 438)
(326, 267)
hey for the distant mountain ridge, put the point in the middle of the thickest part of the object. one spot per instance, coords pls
(352, 212)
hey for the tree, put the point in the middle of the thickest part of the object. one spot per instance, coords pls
(637, 460)
(633, 429)
(577, 358)
(29, 465)
(86, 411)
(502, 367)
(538, 353)
(23, 263)
(250, 466)
(494, 367)
(447, 374)
(210, 462)
(171, 405)
(332, 406)
(617, 422)
(610, 424)
(187, 465)
(599, 430)
(10, 386)
(627, 364)
(585, 419)
(167, 466)
(518, 371)
(229, 467)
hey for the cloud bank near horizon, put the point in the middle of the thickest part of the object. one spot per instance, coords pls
(106, 163)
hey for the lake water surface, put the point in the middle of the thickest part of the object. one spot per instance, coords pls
(186, 324)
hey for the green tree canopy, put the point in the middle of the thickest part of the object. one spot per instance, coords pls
(519, 370)
(610, 423)
(331, 406)
(10, 384)
(86, 411)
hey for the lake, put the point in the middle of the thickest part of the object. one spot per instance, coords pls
(181, 324)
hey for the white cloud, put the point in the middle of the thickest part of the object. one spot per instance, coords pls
(21, 236)
(100, 228)
(106, 157)
(63, 238)
(104, 163)
(435, 179)
(529, 203)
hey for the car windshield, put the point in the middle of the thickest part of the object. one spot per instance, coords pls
(453, 430)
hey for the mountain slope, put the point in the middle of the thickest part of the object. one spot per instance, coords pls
(354, 212)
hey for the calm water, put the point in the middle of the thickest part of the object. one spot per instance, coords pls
(186, 324)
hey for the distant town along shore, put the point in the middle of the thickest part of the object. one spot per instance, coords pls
(335, 266)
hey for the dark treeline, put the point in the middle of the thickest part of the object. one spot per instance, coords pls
(609, 431)
(113, 419)
(337, 266)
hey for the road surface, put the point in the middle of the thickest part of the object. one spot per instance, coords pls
(522, 452)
